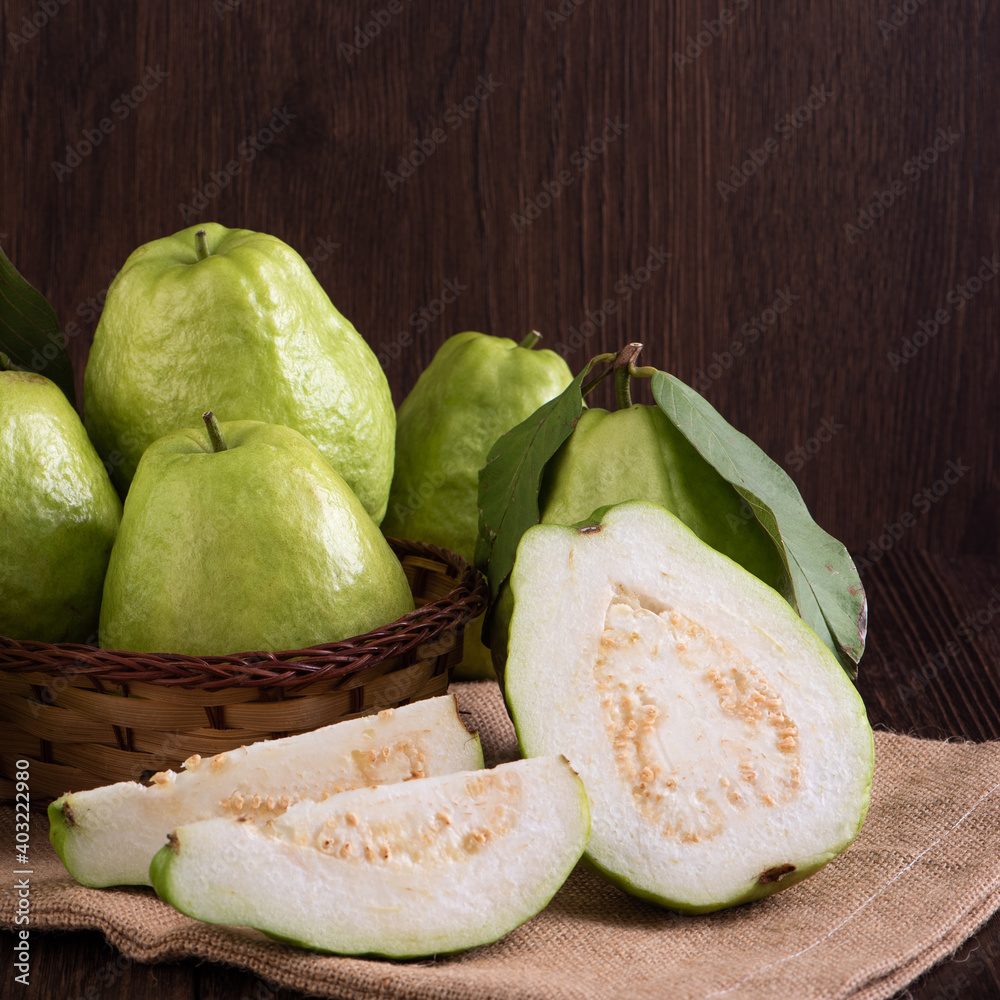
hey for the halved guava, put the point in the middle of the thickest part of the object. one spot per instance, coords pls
(725, 752)
(405, 870)
(107, 836)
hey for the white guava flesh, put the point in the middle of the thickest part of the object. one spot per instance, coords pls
(725, 752)
(108, 836)
(406, 870)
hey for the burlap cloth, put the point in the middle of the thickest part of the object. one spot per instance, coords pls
(923, 875)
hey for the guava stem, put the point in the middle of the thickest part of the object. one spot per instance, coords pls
(214, 432)
(4, 363)
(201, 244)
(623, 366)
(601, 359)
(623, 394)
(530, 341)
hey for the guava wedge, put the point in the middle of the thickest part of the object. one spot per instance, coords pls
(725, 752)
(405, 870)
(107, 836)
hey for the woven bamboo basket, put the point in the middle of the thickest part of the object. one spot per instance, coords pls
(83, 716)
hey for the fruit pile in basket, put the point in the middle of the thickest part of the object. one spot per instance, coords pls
(675, 638)
(257, 531)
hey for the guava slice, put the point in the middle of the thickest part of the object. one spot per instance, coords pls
(405, 870)
(107, 836)
(725, 752)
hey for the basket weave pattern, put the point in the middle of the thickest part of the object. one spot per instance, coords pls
(85, 716)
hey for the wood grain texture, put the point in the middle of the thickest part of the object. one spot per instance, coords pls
(623, 119)
(614, 125)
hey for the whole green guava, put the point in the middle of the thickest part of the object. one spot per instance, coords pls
(238, 318)
(476, 388)
(636, 453)
(59, 515)
(249, 540)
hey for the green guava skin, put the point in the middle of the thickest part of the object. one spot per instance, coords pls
(58, 828)
(248, 331)
(637, 454)
(59, 515)
(757, 892)
(503, 611)
(159, 871)
(159, 877)
(476, 388)
(262, 546)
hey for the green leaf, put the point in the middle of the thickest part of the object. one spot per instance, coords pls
(29, 330)
(827, 590)
(510, 481)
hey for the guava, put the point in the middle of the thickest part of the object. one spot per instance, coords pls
(636, 453)
(236, 320)
(108, 835)
(476, 388)
(244, 539)
(59, 515)
(725, 752)
(406, 870)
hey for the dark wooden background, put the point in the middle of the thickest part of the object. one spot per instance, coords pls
(322, 178)
(679, 111)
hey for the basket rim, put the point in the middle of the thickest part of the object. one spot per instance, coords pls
(260, 668)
